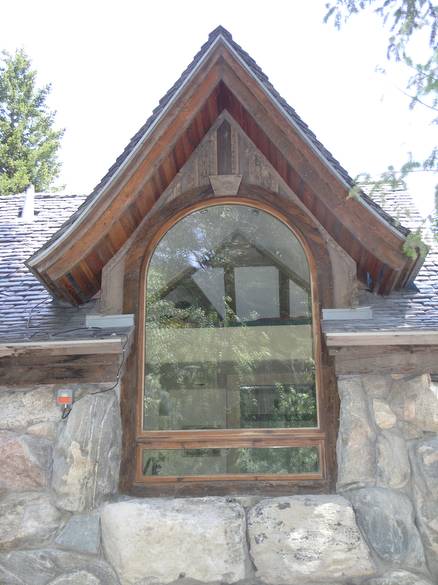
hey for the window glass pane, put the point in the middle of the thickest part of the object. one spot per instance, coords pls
(228, 325)
(257, 293)
(299, 304)
(223, 461)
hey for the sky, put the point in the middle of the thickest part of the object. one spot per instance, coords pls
(110, 62)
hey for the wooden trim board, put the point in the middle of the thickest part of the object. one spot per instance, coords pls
(113, 345)
(372, 338)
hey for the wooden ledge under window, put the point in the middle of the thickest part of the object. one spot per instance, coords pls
(371, 338)
(396, 352)
(62, 361)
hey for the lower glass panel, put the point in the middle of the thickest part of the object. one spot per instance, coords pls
(231, 461)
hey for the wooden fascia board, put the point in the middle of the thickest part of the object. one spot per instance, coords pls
(114, 345)
(349, 210)
(82, 236)
(37, 259)
(381, 338)
(219, 43)
(395, 360)
(308, 142)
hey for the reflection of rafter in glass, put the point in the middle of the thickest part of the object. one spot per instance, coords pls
(234, 252)
(229, 349)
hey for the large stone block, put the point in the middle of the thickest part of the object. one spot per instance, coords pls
(307, 539)
(399, 578)
(387, 519)
(87, 453)
(424, 461)
(20, 409)
(81, 534)
(28, 519)
(356, 439)
(383, 415)
(53, 567)
(47, 430)
(415, 401)
(159, 541)
(393, 467)
(24, 461)
(376, 385)
(77, 578)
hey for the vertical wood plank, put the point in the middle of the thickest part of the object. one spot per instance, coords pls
(224, 166)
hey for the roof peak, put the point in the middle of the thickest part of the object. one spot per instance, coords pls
(218, 31)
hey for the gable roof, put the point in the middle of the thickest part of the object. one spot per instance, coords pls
(77, 276)
(221, 32)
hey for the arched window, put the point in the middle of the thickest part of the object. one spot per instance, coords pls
(231, 358)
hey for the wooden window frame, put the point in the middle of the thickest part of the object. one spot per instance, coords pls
(135, 438)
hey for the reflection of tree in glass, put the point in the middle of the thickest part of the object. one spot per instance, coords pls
(278, 460)
(281, 461)
(213, 365)
(286, 405)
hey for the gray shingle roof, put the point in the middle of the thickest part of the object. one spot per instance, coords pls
(414, 308)
(27, 311)
(264, 80)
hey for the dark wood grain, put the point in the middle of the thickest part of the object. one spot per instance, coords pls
(224, 166)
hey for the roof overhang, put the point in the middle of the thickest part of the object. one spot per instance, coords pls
(221, 77)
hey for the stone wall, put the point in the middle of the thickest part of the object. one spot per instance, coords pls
(388, 465)
(54, 476)
(63, 523)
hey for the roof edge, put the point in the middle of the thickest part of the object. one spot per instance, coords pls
(218, 35)
(35, 258)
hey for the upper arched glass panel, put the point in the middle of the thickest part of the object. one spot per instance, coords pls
(229, 325)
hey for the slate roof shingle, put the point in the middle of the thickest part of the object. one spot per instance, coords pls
(414, 308)
(27, 311)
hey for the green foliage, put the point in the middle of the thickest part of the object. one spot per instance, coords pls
(414, 244)
(28, 142)
(405, 18)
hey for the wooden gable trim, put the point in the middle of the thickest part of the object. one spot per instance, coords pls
(327, 212)
(260, 112)
(72, 266)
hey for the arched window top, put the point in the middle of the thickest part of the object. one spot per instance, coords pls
(206, 244)
(230, 350)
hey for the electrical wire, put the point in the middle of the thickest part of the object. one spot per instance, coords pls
(96, 332)
(66, 412)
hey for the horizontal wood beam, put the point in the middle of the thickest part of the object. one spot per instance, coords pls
(394, 360)
(113, 345)
(379, 338)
